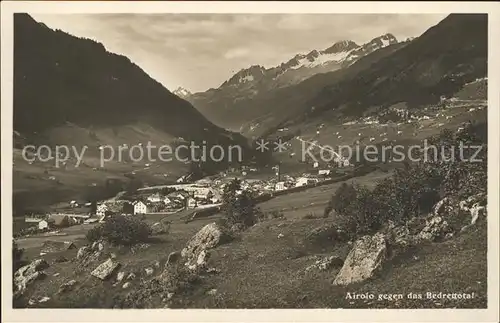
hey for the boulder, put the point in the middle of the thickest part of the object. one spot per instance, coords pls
(44, 299)
(478, 199)
(440, 206)
(399, 239)
(50, 246)
(82, 252)
(364, 260)
(120, 276)
(67, 286)
(126, 285)
(106, 269)
(436, 227)
(208, 237)
(28, 274)
(98, 246)
(476, 211)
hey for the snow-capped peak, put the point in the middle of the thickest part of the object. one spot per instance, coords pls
(253, 73)
(181, 92)
(340, 46)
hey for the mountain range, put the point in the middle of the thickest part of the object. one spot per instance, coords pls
(221, 104)
(353, 79)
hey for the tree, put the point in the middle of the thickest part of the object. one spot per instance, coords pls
(238, 208)
(121, 230)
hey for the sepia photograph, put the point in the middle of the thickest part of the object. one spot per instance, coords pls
(198, 159)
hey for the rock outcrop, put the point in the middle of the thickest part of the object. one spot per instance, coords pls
(364, 260)
(106, 269)
(436, 228)
(210, 236)
(67, 286)
(50, 246)
(28, 274)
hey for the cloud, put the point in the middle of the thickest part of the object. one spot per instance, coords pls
(236, 53)
(199, 51)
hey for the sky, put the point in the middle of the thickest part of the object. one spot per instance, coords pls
(201, 51)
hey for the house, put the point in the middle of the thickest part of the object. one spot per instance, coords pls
(316, 165)
(280, 186)
(324, 172)
(167, 200)
(346, 163)
(60, 220)
(201, 193)
(101, 209)
(155, 198)
(302, 181)
(140, 207)
(191, 203)
(156, 207)
(215, 196)
(46, 224)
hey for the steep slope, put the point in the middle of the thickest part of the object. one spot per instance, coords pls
(440, 62)
(226, 105)
(71, 91)
(60, 78)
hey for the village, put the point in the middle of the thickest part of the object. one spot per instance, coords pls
(204, 194)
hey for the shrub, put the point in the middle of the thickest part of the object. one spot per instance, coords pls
(121, 230)
(17, 254)
(414, 190)
(362, 213)
(339, 202)
(94, 234)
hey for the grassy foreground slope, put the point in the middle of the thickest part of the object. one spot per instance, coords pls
(262, 270)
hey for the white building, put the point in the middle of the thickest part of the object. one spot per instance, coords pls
(45, 224)
(191, 203)
(280, 186)
(324, 172)
(101, 209)
(302, 181)
(155, 198)
(167, 200)
(140, 207)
